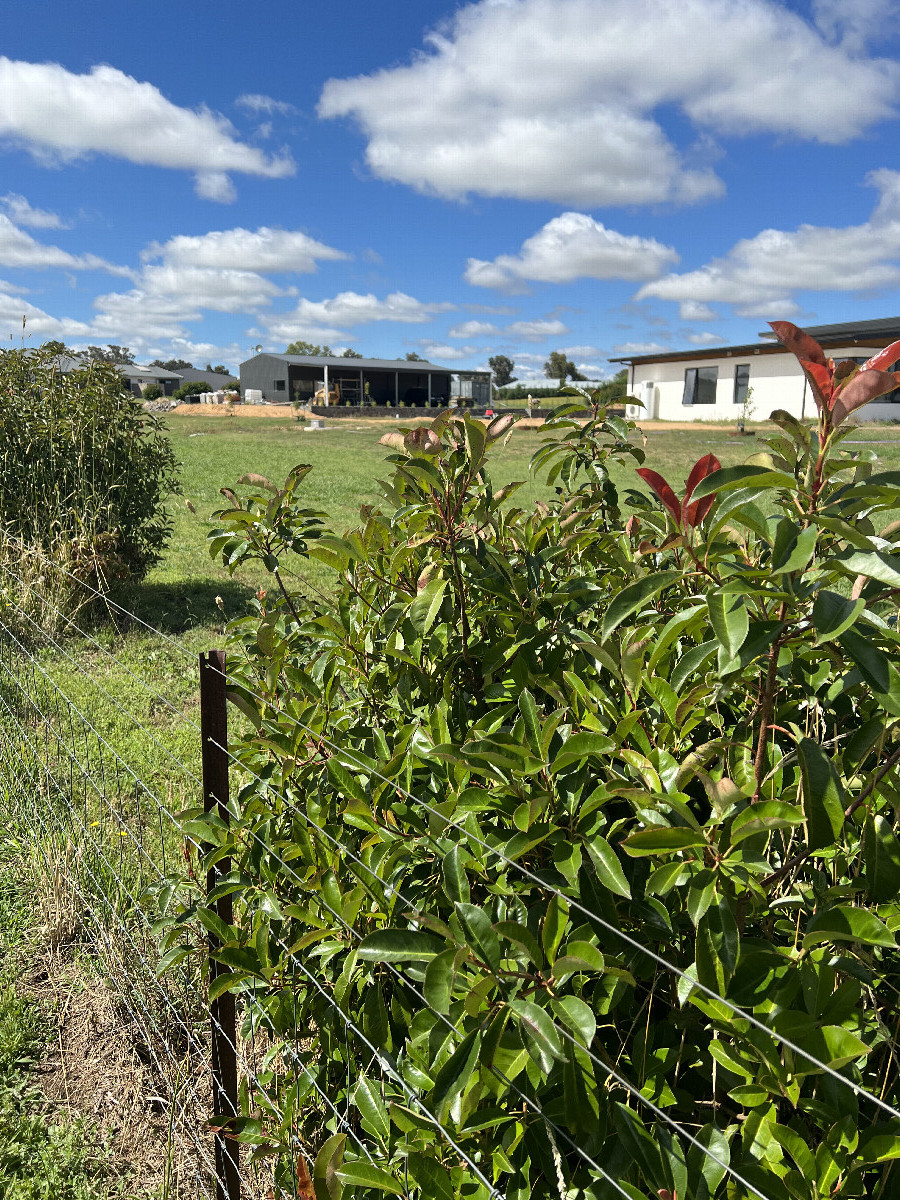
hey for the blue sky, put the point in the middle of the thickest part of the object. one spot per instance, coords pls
(506, 176)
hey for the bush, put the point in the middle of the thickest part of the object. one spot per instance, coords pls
(152, 392)
(570, 828)
(84, 469)
(197, 388)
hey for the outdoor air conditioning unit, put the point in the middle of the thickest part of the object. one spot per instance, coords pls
(646, 410)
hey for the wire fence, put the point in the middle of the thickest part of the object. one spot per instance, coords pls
(105, 790)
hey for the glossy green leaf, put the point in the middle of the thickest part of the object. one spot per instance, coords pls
(633, 597)
(882, 858)
(663, 839)
(400, 945)
(832, 614)
(363, 1174)
(455, 1074)
(847, 924)
(479, 935)
(823, 796)
(367, 1099)
(729, 619)
(607, 865)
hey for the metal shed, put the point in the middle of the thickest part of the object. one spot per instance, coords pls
(346, 382)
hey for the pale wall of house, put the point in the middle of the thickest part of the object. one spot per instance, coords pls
(776, 379)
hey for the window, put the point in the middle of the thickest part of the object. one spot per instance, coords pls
(280, 385)
(741, 383)
(700, 385)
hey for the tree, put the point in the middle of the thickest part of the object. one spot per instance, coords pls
(503, 369)
(54, 347)
(309, 350)
(117, 355)
(559, 367)
(413, 357)
(172, 364)
(218, 369)
(351, 353)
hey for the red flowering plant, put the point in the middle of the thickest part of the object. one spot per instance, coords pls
(838, 390)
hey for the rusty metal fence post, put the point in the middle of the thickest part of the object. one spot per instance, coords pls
(214, 742)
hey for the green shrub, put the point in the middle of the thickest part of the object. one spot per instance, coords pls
(84, 470)
(197, 388)
(571, 828)
(152, 392)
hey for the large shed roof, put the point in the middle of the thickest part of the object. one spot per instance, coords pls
(355, 364)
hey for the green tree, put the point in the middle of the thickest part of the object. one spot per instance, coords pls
(503, 368)
(411, 356)
(309, 350)
(219, 369)
(117, 355)
(351, 353)
(55, 347)
(172, 364)
(559, 367)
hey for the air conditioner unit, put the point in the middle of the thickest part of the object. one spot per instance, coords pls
(647, 409)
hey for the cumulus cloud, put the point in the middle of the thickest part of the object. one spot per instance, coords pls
(692, 310)
(327, 319)
(761, 275)
(569, 109)
(20, 249)
(704, 339)
(536, 331)
(572, 246)
(256, 103)
(60, 116)
(435, 351)
(469, 329)
(20, 211)
(265, 249)
(627, 348)
(13, 308)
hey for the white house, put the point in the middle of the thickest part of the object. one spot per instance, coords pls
(712, 384)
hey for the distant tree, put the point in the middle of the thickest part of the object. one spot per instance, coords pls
(503, 368)
(218, 369)
(309, 350)
(117, 355)
(351, 353)
(413, 357)
(559, 367)
(196, 388)
(614, 389)
(54, 347)
(172, 364)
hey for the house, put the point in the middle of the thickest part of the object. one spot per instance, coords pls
(140, 378)
(714, 384)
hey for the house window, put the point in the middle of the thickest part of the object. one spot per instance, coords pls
(700, 385)
(741, 383)
(280, 385)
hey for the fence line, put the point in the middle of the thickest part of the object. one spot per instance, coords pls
(82, 790)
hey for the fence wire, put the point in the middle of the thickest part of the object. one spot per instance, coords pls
(76, 788)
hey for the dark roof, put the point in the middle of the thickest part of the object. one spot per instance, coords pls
(215, 378)
(855, 330)
(354, 364)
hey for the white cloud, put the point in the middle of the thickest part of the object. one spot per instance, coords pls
(435, 351)
(704, 339)
(14, 308)
(762, 274)
(264, 249)
(60, 117)
(639, 348)
(557, 99)
(572, 246)
(692, 310)
(853, 23)
(20, 249)
(318, 319)
(256, 103)
(20, 211)
(215, 185)
(536, 331)
(582, 351)
(470, 329)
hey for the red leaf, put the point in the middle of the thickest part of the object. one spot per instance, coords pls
(800, 344)
(883, 359)
(662, 489)
(821, 380)
(862, 388)
(693, 514)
